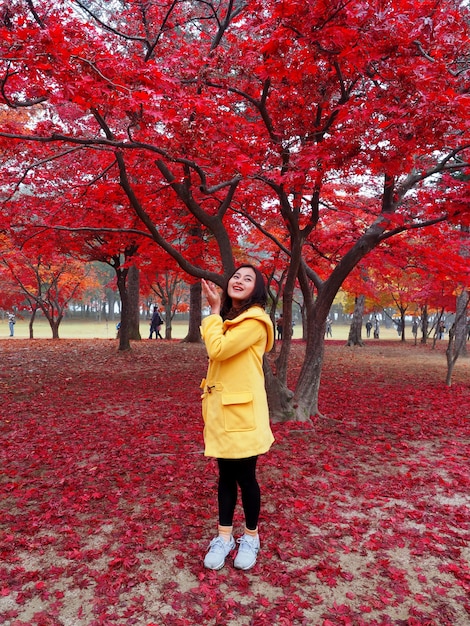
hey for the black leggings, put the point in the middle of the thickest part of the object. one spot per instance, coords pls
(234, 472)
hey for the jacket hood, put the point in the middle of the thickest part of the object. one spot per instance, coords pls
(257, 313)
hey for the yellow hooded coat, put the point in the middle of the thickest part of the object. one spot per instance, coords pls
(234, 403)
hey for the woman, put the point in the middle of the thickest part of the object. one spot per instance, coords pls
(156, 323)
(237, 333)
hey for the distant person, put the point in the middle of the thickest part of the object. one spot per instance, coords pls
(329, 332)
(236, 334)
(368, 327)
(155, 324)
(376, 329)
(279, 327)
(118, 330)
(414, 328)
(441, 330)
(11, 323)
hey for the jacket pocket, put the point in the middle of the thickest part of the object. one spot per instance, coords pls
(238, 411)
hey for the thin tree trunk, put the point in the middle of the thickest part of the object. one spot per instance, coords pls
(124, 343)
(195, 316)
(424, 324)
(461, 322)
(305, 401)
(122, 268)
(31, 323)
(168, 321)
(133, 291)
(437, 330)
(355, 330)
(457, 335)
(402, 322)
(450, 357)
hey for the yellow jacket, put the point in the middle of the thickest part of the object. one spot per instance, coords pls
(234, 403)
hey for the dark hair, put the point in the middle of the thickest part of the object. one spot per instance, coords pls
(258, 297)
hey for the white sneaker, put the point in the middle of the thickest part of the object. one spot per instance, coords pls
(247, 553)
(218, 551)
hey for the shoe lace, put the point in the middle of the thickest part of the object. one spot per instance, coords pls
(217, 543)
(247, 544)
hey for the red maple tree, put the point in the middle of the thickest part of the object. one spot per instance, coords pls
(46, 278)
(407, 275)
(205, 118)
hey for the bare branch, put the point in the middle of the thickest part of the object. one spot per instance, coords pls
(161, 30)
(110, 28)
(35, 13)
(415, 226)
(262, 230)
(93, 66)
(215, 188)
(229, 16)
(428, 57)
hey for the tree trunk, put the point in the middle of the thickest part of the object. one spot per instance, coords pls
(402, 324)
(54, 324)
(305, 400)
(451, 356)
(168, 310)
(195, 316)
(461, 322)
(457, 335)
(31, 323)
(424, 324)
(133, 290)
(437, 331)
(124, 343)
(282, 361)
(279, 396)
(355, 330)
(303, 315)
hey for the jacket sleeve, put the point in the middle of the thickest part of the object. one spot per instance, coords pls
(236, 339)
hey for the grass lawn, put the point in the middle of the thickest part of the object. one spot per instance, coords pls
(80, 329)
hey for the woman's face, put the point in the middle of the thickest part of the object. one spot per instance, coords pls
(241, 285)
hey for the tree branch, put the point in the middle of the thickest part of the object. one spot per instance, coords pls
(19, 103)
(107, 80)
(119, 33)
(262, 230)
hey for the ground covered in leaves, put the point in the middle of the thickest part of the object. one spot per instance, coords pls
(108, 504)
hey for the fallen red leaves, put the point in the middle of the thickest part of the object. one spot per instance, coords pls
(108, 503)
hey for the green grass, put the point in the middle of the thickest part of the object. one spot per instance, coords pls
(80, 329)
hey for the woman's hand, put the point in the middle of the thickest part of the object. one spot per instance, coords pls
(212, 296)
